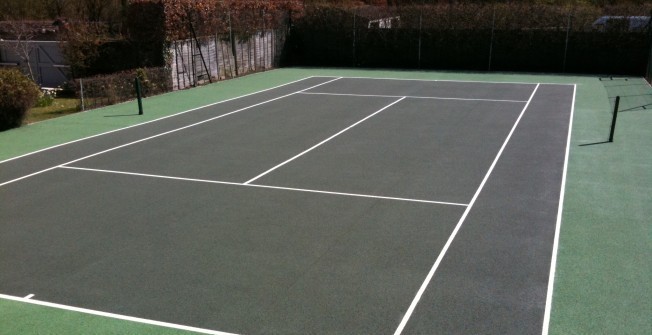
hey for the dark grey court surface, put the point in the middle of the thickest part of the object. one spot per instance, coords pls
(320, 212)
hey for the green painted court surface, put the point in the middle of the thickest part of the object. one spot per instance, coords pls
(602, 282)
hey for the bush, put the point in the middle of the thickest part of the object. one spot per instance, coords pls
(17, 94)
(46, 97)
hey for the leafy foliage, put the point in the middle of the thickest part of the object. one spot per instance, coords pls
(17, 94)
(210, 17)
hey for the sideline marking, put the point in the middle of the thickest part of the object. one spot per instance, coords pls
(322, 142)
(555, 245)
(161, 118)
(163, 133)
(426, 282)
(412, 97)
(114, 316)
(264, 186)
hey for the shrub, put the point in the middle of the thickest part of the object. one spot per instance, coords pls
(46, 97)
(17, 94)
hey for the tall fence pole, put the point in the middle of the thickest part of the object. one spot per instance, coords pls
(233, 48)
(81, 93)
(419, 55)
(568, 29)
(648, 70)
(491, 41)
(354, 37)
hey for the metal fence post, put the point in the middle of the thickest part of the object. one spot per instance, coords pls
(491, 40)
(419, 52)
(354, 38)
(568, 29)
(81, 93)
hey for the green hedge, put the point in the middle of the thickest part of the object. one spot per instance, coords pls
(17, 95)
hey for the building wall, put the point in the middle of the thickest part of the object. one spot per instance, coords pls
(43, 59)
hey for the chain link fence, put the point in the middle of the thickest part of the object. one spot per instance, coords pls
(104, 90)
(478, 37)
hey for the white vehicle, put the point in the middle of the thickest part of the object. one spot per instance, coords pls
(622, 23)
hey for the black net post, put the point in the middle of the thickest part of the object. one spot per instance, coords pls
(139, 96)
(613, 120)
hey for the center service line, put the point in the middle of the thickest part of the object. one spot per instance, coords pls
(322, 142)
(426, 282)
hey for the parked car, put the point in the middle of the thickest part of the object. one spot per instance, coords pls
(622, 23)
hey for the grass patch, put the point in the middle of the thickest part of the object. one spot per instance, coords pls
(59, 107)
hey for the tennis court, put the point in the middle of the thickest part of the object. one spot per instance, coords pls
(324, 205)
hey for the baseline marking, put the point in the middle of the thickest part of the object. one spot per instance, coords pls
(413, 97)
(426, 282)
(163, 133)
(555, 245)
(264, 186)
(161, 118)
(113, 316)
(451, 80)
(322, 142)
(29, 296)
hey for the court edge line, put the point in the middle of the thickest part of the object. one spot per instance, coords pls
(412, 97)
(560, 210)
(359, 195)
(322, 142)
(442, 253)
(161, 118)
(113, 315)
(161, 134)
(451, 81)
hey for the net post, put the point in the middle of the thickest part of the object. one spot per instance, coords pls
(613, 120)
(139, 96)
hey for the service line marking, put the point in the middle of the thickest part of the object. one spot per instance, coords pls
(426, 282)
(359, 195)
(113, 315)
(322, 142)
(164, 133)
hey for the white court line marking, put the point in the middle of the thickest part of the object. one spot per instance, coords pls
(114, 316)
(161, 134)
(357, 195)
(555, 246)
(451, 81)
(412, 97)
(161, 118)
(426, 282)
(29, 296)
(322, 142)
(264, 186)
